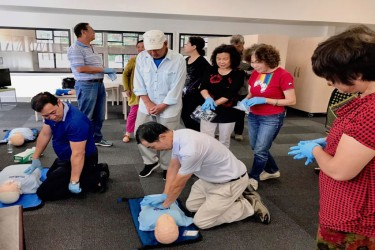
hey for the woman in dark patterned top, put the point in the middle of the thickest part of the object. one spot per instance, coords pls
(196, 65)
(347, 158)
(219, 88)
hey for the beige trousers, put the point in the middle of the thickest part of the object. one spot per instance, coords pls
(216, 204)
(150, 156)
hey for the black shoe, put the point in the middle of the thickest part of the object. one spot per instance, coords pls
(104, 143)
(104, 167)
(103, 179)
(165, 175)
(147, 170)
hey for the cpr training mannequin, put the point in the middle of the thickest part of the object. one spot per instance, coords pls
(17, 136)
(17, 139)
(151, 214)
(10, 192)
(14, 174)
(166, 229)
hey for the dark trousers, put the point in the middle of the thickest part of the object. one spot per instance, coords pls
(55, 187)
(240, 120)
(189, 103)
(240, 123)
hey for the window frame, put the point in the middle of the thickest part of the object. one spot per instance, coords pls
(106, 50)
(38, 52)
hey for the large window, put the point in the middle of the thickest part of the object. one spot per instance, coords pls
(117, 47)
(184, 38)
(34, 49)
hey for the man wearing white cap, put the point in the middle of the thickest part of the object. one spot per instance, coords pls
(159, 78)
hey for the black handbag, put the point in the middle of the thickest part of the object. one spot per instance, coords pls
(68, 83)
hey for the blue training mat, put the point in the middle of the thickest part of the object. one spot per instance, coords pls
(6, 136)
(148, 239)
(29, 201)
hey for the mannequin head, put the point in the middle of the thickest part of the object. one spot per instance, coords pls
(9, 192)
(17, 139)
(166, 229)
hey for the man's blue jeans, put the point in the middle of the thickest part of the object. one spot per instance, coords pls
(262, 131)
(91, 98)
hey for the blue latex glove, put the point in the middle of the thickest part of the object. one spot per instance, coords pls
(304, 151)
(321, 141)
(243, 103)
(109, 71)
(254, 101)
(154, 200)
(209, 104)
(35, 163)
(112, 76)
(301, 156)
(74, 188)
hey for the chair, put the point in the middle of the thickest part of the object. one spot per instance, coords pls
(336, 101)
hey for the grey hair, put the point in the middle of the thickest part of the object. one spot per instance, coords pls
(236, 39)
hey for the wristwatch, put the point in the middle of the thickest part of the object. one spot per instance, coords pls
(74, 182)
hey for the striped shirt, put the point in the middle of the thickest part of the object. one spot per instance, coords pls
(79, 55)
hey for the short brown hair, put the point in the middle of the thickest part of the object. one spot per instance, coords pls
(345, 57)
(264, 53)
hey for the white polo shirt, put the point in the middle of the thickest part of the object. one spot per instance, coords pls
(206, 157)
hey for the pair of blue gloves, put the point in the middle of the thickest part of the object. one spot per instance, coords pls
(154, 200)
(209, 104)
(304, 149)
(111, 73)
(253, 101)
(35, 163)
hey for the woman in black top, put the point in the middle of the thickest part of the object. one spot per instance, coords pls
(196, 66)
(219, 88)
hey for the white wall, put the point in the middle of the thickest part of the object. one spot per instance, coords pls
(198, 17)
(339, 11)
(28, 85)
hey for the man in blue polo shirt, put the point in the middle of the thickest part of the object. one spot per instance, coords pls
(76, 168)
(88, 71)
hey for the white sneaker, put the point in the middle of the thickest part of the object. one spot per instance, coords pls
(253, 183)
(265, 176)
(238, 137)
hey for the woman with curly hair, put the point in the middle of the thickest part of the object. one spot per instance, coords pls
(271, 88)
(219, 88)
